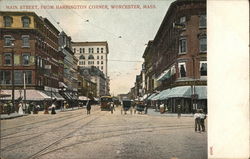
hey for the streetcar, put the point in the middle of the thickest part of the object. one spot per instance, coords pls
(106, 103)
(126, 105)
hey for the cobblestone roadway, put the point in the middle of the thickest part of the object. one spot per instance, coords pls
(74, 135)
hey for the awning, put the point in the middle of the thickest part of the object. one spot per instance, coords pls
(54, 95)
(32, 95)
(201, 91)
(61, 84)
(166, 74)
(83, 98)
(164, 94)
(182, 91)
(152, 95)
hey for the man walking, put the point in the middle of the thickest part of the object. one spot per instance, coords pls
(88, 106)
(197, 120)
(202, 120)
(179, 111)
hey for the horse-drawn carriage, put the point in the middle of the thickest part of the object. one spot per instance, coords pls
(126, 105)
(140, 106)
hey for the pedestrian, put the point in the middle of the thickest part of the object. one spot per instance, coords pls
(197, 121)
(9, 106)
(53, 109)
(202, 120)
(111, 107)
(179, 111)
(146, 108)
(20, 109)
(88, 106)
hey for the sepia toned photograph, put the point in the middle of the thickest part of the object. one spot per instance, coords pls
(107, 79)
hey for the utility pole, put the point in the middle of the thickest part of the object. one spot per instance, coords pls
(12, 74)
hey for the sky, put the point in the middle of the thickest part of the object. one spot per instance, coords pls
(127, 31)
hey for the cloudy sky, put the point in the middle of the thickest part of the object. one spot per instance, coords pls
(126, 30)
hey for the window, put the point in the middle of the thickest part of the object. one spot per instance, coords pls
(5, 77)
(81, 57)
(89, 50)
(98, 62)
(91, 57)
(182, 70)
(101, 62)
(182, 20)
(101, 50)
(83, 50)
(8, 21)
(203, 21)
(26, 59)
(203, 68)
(98, 50)
(97, 57)
(7, 59)
(101, 57)
(25, 40)
(26, 21)
(80, 50)
(183, 45)
(203, 44)
(74, 50)
(7, 40)
(101, 67)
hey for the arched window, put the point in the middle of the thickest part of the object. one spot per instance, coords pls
(26, 21)
(8, 21)
(91, 57)
(81, 57)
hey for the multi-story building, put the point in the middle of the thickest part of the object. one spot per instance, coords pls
(29, 48)
(96, 76)
(93, 54)
(70, 85)
(176, 60)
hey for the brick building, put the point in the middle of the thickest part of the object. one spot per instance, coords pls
(33, 41)
(176, 60)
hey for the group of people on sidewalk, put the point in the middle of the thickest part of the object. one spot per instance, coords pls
(199, 118)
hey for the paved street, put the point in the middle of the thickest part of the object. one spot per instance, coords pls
(74, 135)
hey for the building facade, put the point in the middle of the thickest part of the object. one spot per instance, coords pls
(176, 60)
(70, 80)
(29, 48)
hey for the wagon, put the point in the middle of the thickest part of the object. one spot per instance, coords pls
(126, 105)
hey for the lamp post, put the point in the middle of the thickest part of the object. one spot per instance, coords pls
(12, 74)
(24, 91)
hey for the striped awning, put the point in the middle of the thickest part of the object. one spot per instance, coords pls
(32, 95)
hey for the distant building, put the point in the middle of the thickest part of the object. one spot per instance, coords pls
(36, 54)
(92, 54)
(96, 76)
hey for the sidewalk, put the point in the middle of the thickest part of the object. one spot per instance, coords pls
(153, 112)
(16, 115)
(11, 116)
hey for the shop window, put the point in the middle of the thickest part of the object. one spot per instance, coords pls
(25, 41)
(203, 44)
(203, 21)
(203, 68)
(5, 77)
(182, 45)
(26, 21)
(8, 21)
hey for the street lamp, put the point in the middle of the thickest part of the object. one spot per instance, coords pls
(12, 74)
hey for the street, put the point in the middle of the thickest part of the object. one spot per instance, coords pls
(76, 135)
